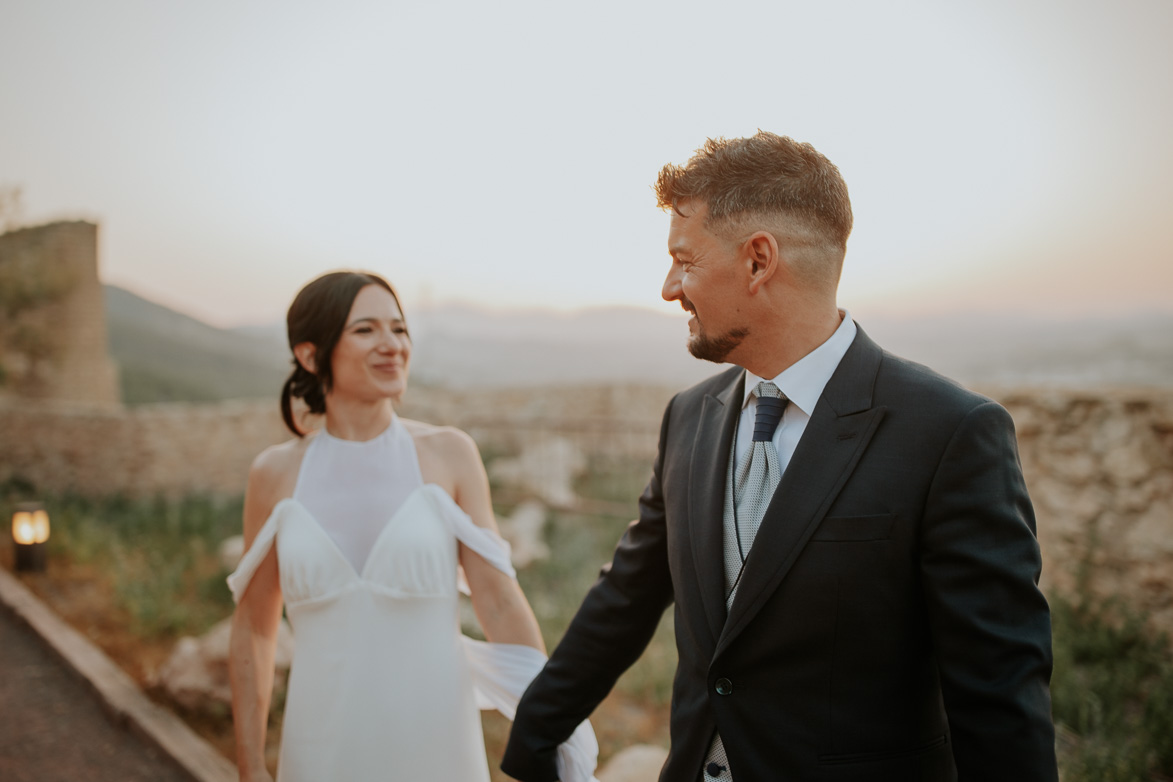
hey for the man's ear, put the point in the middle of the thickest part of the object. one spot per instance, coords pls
(763, 257)
(304, 353)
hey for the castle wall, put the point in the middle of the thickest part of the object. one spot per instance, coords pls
(1099, 465)
(69, 361)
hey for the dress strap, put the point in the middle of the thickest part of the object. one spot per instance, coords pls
(492, 547)
(247, 567)
(500, 674)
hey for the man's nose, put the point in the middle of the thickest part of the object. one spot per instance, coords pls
(671, 290)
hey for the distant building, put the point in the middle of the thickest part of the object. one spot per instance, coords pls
(53, 344)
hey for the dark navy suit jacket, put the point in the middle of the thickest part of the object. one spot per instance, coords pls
(888, 625)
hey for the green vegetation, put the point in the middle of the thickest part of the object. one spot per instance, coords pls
(164, 356)
(1112, 693)
(159, 556)
(555, 588)
(141, 385)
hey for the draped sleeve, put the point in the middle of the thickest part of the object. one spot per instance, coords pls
(247, 567)
(500, 674)
(493, 548)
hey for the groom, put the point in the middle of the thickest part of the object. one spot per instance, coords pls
(845, 535)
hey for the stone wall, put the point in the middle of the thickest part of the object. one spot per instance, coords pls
(170, 449)
(1099, 465)
(52, 318)
(177, 448)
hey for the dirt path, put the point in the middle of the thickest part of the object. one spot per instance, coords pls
(53, 728)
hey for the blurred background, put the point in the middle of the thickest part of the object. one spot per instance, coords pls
(172, 174)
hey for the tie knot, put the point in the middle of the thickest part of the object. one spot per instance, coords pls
(766, 388)
(771, 405)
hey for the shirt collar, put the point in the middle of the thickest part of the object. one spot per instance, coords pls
(803, 381)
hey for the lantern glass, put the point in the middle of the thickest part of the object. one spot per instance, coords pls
(40, 526)
(22, 528)
(30, 525)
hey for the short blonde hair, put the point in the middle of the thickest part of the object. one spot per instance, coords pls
(769, 177)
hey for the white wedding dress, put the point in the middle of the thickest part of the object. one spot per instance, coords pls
(383, 686)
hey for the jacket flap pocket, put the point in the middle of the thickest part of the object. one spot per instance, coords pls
(855, 528)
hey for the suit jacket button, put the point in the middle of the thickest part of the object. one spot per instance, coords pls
(724, 686)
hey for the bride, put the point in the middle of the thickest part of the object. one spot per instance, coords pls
(363, 530)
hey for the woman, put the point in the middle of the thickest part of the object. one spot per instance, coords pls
(360, 529)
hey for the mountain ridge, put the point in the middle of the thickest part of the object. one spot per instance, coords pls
(165, 355)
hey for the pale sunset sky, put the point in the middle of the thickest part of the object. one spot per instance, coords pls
(1009, 155)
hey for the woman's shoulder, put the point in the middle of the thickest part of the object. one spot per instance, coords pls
(275, 468)
(445, 444)
(447, 441)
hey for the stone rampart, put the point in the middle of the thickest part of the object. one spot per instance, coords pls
(168, 449)
(1099, 465)
(53, 318)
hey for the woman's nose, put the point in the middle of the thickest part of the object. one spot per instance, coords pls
(391, 342)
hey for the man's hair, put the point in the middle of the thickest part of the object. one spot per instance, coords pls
(764, 181)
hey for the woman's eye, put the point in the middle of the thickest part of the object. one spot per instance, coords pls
(363, 330)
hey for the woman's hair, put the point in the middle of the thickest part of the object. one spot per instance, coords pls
(318, 316)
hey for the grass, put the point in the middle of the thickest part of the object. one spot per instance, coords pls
(159, 557)
(1112, 692)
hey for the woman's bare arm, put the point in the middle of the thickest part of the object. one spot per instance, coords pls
(501, 608)
(255, 624)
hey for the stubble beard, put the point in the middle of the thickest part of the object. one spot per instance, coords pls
(715, 348)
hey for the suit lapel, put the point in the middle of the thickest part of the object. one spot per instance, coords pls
(839, 431)
(706, 487)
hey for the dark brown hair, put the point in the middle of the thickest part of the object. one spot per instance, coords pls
(318, 316)
(764, 174)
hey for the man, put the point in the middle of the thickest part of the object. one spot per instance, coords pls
(845, 534)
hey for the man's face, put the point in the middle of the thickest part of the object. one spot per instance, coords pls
(704, 279)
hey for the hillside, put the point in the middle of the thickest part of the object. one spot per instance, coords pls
(164, 355)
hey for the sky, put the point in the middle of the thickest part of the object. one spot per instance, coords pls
(1002, 156)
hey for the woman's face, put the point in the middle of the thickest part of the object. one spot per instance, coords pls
(371, 358)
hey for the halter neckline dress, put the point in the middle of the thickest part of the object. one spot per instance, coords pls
(383, 686)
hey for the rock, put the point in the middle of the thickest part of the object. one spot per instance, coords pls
(1074, 468)
(523, 529)
(1028, 423)
(1066, 511)
(1114, 432)
(547, 468)
(1134, 499)
(196, 673)
(1126, 465)
(637, 763)
(1152, 534)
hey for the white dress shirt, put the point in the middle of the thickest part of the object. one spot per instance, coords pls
(802, 383)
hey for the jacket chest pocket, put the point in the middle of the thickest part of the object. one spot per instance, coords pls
(854, 529)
